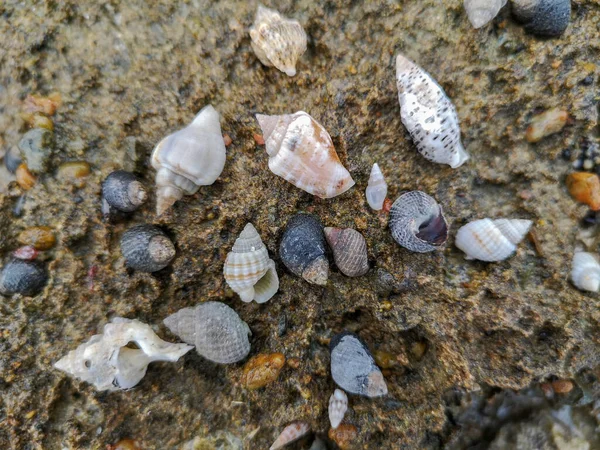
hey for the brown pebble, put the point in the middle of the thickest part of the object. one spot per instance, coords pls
(74, 172)
(125, 444)
(259, 139)
(227, 140)
(385, 360)
(547, 389)
(41, 238)
(585, 188)
(545, 124)
(344, 436)
(386, 305)
(262, 369)
(418, 350)
(25, 178)
(44, 105)
(562, 386)
(294, 363)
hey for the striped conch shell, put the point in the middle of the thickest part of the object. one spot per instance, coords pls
(291, 433)
(349, 250)
(248, 269)
(481, 12)
(300, 151)
(428, 115)
(376, 189)
(585, 272)
(338, 405)
(277, 41)
(189, 158)
(491, 240)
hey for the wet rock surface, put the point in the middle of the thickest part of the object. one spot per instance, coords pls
(130, 74)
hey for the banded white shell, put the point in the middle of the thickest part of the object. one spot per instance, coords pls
(248, 269)
(291, 433)
(428, 115)
(338, 405)
(376, 189)
(481, 12)
(585, 272)
(491, 240)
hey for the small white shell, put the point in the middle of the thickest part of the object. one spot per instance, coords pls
(291, 433)
(376, 189)
(189, 158)
(338, 405)
(481, 12)
(428, 115)
(585, 272)
(248, 269)
(491, 240)
(277, 41)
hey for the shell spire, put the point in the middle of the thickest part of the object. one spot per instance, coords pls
(291, 433)
(338, 405)
(481, 12)
(585, 272)
(376, 189)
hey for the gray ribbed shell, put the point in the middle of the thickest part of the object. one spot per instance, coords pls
(116, 191)
(140, 254)
(215, 329)
(543, 17)
(23, 277)
(349, 250)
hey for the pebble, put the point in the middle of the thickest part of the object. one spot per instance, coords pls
(227, 140)
(545, 124)
(45, 105)
(74, 173)
(262, 369)
(259, 139)
(25, 178)
(562, 386)
(585, 188)
(36, 147)
(344, 436)
(125, 444)
(41, 238)
(26, 253)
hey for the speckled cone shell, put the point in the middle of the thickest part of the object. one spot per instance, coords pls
(291, 433)
(417, 222)
(491, 240)
(338, 405)
(428, 115)
(277, 41)
(481, 12)
(215, 329)
(543, 17)
(585, 272)
(376, 189)
(189, 158)
(353, 368)
(300, 151)
(248, 269)
(349, 250)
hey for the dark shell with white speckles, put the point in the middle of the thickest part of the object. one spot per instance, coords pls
(146, 248)
(23, 277)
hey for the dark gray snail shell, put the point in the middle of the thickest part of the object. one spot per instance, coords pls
(543, 17)
(302, 249)
(123, 191)
(146, 248)
(23, 277)
(13, 159)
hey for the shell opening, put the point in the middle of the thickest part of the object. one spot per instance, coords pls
(434, 230)
(267, 286)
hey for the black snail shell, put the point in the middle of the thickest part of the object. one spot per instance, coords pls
(23, 277)
(146, 248)
(543, 17)
(123, 191)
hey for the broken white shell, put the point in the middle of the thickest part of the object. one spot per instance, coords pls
(300, 151)
(291, 433)
(277, 41)
(491, 240)
(248, 269)
(428, 115)
(481, 12)
(585, 272)
(338, 405)
(376, 189)
(189, 158)
(107, 362)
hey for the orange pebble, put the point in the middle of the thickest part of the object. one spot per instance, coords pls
(262, 369)
(40, 238)
(259, 139)
(44, 105)
(344, 436)
(585, 188)
(25, 178)
(562, 386)
(227, 140)
(125, 444)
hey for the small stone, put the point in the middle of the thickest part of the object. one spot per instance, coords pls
(585, 188)
(25, 178)
(545, 124)
(40, 121)
(262, 369)
(26, 253)
(562, 386)
(74, 173)
(36, 147)
(385, 360)
(41, 238)
(344, 436)
(44, 105)
(126, 444)
(259, 139)
(294, 363)
(227, 140)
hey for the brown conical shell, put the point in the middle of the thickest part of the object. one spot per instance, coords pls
(349, 250)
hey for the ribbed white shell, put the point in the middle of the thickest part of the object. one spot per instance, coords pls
(481, 12)
(491, 240)
(585, 272)
(248, 269)
(376, 189)
(338, 405)
(291, 433)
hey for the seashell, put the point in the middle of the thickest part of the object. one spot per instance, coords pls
(491, 240)
(585, 188)
(248, 269)
(349, 250)
(481, 12)
(215, 329)
(300, 151)
(417, 222)
(353, 368)
(23, 277)
(376, 189)
(302, 249)
(428, 115)
(291, 433)
(189, 158)
(41, 238)
(338, 405)
(12, 159)
(277, 41)
(107, 362)
(543, 17)
(585, 272)
(123, 191)
(146, 248)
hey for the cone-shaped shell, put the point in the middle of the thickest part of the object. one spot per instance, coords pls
(491, 240)
(248, 269)
(189, 158)
(428, 115)
(215, 329)
(481, 12)
(349, 250)
(301, 151)
(338, 405)
(543, 17)
(585, 272)
(376, 189)
(417, 222)
(291, 433)
(277, 41)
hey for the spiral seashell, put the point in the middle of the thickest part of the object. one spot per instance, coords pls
(491, 240)
(215, 329)
(123, 191)
(585, 272)
(481, 12)
(428, 115)
(353, 368)
(338, 405)
(543, 17)
(23, 277)
(349, 250)
(301, 152)
(302, 249)
(376, 189)
(248, 269)
(146, 248)
(417, 222)
(277, 41)
(189, 158)
(291, 433)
